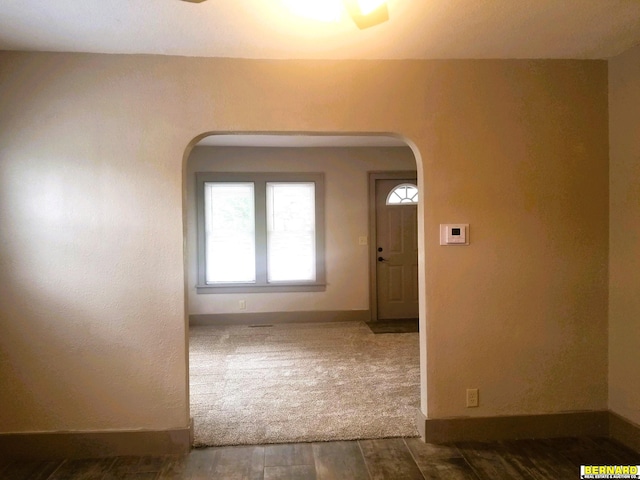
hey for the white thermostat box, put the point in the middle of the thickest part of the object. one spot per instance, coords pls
(454, 234)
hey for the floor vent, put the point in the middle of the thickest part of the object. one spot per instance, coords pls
(260, 326)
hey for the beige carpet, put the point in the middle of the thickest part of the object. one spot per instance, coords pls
(301, 382)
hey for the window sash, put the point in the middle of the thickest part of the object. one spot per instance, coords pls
(404, 194)
(230, 232)
(291, 232)
(314, 278)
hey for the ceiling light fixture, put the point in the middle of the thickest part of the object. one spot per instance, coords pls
(367, 13)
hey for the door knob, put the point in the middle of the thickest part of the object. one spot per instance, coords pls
(380, 259)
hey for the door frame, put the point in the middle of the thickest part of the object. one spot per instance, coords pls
(373, 237)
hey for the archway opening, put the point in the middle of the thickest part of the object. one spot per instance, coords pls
(264, 358)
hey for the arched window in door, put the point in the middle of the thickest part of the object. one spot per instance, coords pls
(403, 194)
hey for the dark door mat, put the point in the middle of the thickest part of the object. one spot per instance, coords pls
(401, 325)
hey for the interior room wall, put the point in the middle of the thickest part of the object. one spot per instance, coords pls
(346, 217)
(92, 282)
(624, 235)
(514, 314)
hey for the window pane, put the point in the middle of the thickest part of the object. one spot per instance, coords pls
(291, 232)
(405, 193)
(230, 232)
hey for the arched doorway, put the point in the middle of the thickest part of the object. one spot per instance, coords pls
(345, 296)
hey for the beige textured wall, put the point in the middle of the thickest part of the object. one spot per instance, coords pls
(520, 155)
(346, 217)
(92, 284)
(624, 235)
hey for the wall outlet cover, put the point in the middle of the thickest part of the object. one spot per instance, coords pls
(472, 397)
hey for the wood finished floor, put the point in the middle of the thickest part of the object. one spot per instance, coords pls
(393, 459)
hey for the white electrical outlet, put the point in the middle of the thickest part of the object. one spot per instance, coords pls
(472, 397)
(242, 304)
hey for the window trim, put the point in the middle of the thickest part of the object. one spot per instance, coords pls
(260, 181)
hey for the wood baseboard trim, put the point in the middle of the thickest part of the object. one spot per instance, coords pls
(272, 318)
(61, 445)
(624, 431)
(574, 424)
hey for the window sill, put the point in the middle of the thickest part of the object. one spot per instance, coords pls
(275, 288)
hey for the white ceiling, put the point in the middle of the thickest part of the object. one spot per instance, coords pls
(418, 29)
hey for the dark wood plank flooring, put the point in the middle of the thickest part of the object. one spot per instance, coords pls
(393, 458)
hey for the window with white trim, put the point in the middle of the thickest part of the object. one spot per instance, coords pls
(403, 194)
(260, 232)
